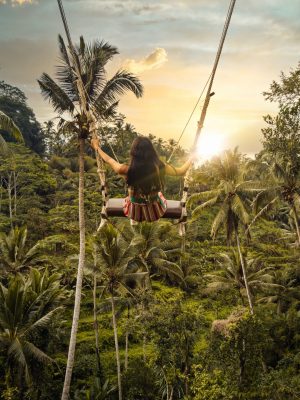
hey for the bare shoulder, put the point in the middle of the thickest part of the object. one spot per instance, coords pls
(123, 169)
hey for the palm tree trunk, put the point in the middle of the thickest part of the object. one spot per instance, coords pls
(144, 347)
(15, 193)
(244, 272)
(116, 345)
(186, 368)
(126, 349)
(81, 261)
(296, 223)
(127, 341)
(1, 192)
(9, 191)
(96, 326)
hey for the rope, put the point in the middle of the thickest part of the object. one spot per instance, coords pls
(188, 121)
(211, 77)
(83, 95)
(203, 115)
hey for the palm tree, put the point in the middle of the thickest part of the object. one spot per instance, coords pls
(283, 183)
(27, 307)
(14, 255)
(157, 243)
(284, 293)
(230, 276)
(118, 273)
(7, 124)
(230, 197)
(101, 96)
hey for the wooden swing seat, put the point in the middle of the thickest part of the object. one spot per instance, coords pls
(114, 208)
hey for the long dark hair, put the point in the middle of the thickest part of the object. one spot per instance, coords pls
(146, 171)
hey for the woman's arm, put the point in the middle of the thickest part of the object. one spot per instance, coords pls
(121, 169)
(179, 171)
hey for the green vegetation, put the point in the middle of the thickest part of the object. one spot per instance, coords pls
(218, 318)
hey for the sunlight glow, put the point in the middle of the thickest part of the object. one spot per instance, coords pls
(209, 145)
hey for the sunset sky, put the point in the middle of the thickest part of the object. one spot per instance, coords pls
(171, 46)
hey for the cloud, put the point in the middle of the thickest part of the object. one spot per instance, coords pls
(153, 61)
(17, 2)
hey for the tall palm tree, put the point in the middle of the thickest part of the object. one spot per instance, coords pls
(101, 96)
(230, 199)
(118, 273)
(7, 124)
(282, 184)
(230, 276)
(27, 307)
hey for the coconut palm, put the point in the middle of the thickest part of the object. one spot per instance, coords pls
(157, 243)
(229, 198)
(284, 293)
(14, 253)
(7, 124)
(118, 273)
(101, 96)
(27, 307)
(282, 184)
(230, 276)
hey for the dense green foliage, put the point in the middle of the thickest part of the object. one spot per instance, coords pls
(13, 103)
(176, 322)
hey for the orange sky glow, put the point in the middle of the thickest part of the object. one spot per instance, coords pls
(171, 46)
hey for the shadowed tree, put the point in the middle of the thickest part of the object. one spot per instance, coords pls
(118, 273)
(100, 95)
(15, 256)
(229, 198)
(282, 184)
(230, 276)
(27, 307)
(283, 294)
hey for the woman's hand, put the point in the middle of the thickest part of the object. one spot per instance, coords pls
(95, 143)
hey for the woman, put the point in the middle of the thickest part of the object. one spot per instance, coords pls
(145, 179)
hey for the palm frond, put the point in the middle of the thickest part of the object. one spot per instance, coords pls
(264, 211)
(219, 220)
(7, 124)
(121, 82)
(3, 145)
(203, 196)
(32, 351)
(239, 210)
(198, 210)
(55, 94)
(42, 322)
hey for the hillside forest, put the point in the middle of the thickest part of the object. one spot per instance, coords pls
(209, 316)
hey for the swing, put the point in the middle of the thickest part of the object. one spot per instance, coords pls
(177, 209)
(114, 207)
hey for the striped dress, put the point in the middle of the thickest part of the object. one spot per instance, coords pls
(140, 208)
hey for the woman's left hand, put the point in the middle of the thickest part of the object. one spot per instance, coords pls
(95, 143)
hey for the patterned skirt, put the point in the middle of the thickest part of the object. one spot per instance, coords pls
(141, 211)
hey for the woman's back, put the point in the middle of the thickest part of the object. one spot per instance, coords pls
(145, 176)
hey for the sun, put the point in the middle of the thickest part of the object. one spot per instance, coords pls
(209, 145)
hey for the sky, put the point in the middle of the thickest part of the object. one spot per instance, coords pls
(171, 46)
